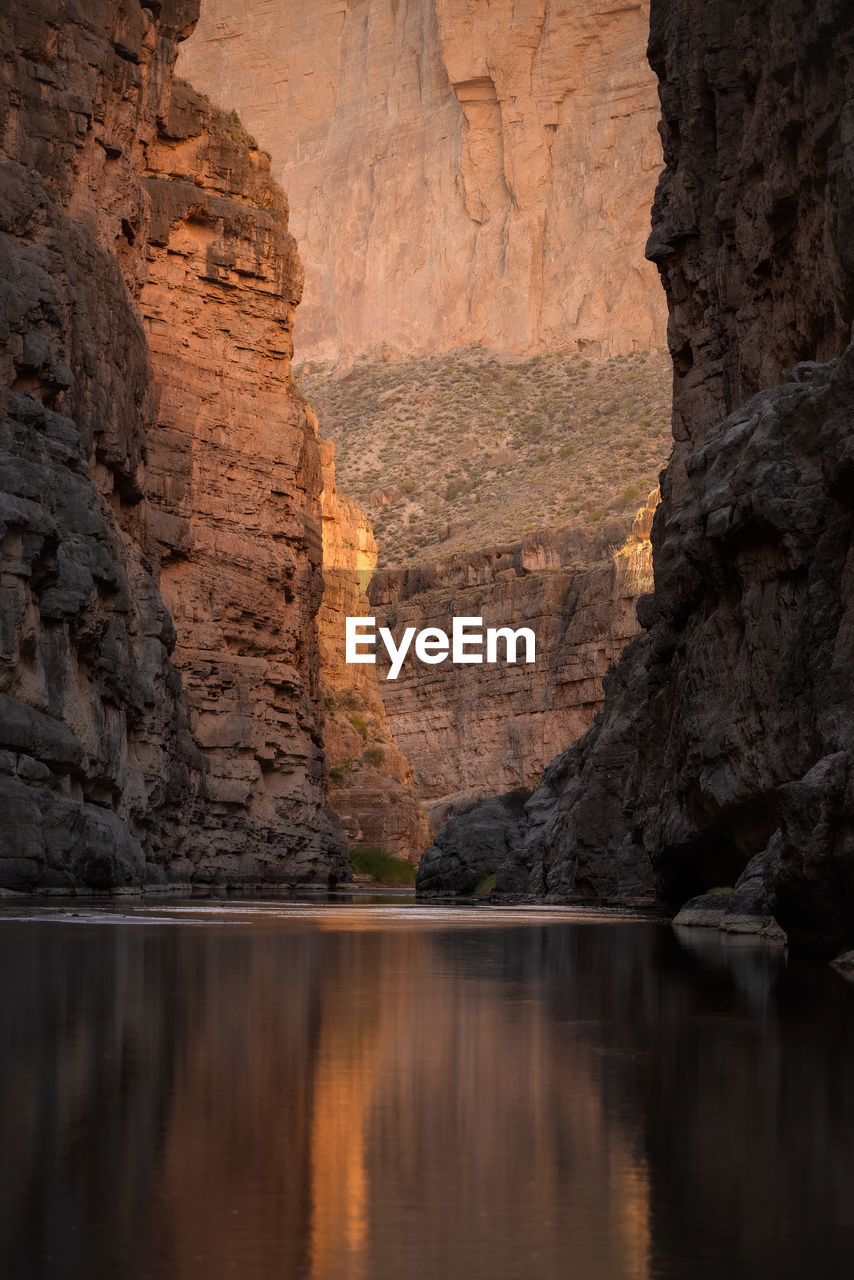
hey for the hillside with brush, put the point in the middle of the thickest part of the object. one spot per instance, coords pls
(461, 450)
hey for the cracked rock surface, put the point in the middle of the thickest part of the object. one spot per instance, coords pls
(137, 710)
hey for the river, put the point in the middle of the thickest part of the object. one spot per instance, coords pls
(383, 1091)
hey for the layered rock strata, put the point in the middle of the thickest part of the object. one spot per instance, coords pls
(370, 778)
(475, 730)
(727, 731)
(92, 721)
(234, 482)
(116, 459)
(460, 173)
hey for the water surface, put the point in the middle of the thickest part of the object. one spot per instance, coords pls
(384, 1091)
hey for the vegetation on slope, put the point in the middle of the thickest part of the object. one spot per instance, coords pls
(458, 451)
(381, 866)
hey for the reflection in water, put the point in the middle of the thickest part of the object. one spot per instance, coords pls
(371, 1095)
(438, 1105)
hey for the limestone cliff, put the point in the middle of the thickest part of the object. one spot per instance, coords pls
(459, 173)
(234, 481)
(726, 747)
(370, 778)
(473, 731)
(115, 459)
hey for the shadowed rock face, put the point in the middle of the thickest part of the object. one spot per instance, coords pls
(468, 851)
(728, 730)
(95, 751)
(752, 215)
(118, 458)
(459, 173)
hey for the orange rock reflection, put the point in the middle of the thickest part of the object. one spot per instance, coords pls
(422, 1086)
(362, 1103)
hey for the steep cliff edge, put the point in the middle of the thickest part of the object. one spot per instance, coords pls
(726, 749)
(96, 757)
(370, 778)
(234, 483)
(474, 731)
(108, 775)
(460, 173)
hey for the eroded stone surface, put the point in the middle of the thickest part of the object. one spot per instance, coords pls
(112, 774)
(476, 730)
(89, 689)
(468, 851)
(727, 729)
(370, 778)
(459, 173)
(234, 480)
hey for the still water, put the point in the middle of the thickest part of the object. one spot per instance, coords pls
(218, 1090)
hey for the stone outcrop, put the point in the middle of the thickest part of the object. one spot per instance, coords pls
(744, 909)
(465, 856)
(727, 731)
(476, 730)
(370, 779)
(117, 469)
(459, 173)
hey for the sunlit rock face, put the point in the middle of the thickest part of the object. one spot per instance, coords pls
(728, 730)
(370, 780)
(159, 504)
(476, 730)
(458, 173)
(234, 480)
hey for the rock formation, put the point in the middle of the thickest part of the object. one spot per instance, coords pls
(473, 731)
(459, 173)
(159, 507)
(728, 729)
(370, 779)
(234, 480)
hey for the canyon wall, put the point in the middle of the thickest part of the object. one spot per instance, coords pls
(370, 779)
(475, 730)
(725, 753)
(159, 506)
(234, 481)
(459, 173)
